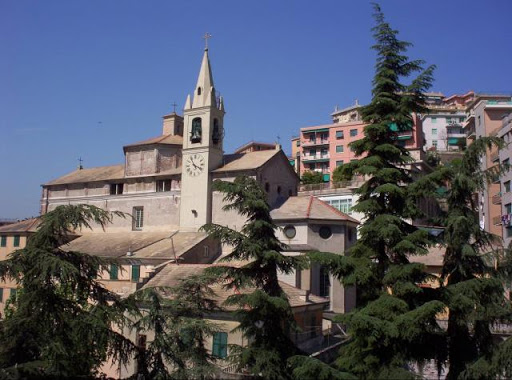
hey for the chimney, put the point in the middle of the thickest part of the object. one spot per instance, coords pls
(173, 124)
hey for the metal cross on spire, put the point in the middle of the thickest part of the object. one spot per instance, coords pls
(174, 107)
(206, 37)
(80, 166)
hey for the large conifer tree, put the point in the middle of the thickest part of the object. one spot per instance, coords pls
(61, 322)
(394, 322)
(473, 275)
(263, 311)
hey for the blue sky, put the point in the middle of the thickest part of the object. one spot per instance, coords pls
(83, 78)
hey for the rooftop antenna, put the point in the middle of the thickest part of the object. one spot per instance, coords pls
(80, 166)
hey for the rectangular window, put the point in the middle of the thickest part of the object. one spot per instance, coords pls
(116, 188)
(339, 135)
(3, 241)
(163, 185)
(1, 294)
(434, 119)
(206, 251)
(353, 132)
(138, 218)
(434, 143)
(507, 186)
(325, 284)
(114, 272)
(220, 345)
(339, 163)
(509, 232)
(135, 273)
(13, 293)
(339, 148)
(297, 143)
(16, 240)
(343, 205)
(506, 164)
(508, 208)
(434, 131)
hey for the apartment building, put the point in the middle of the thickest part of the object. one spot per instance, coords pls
(484, 117)
(322, 148)
(504, 156)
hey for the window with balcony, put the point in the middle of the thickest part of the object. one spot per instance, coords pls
(339, 135)
(506, 186)
(353, 132)
(339, 148)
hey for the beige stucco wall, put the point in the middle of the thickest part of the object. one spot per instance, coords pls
(8, 285)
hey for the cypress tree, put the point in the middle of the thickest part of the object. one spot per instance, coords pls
(62, 321)
(263, 310)
(394, 321)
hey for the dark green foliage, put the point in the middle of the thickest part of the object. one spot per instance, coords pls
(309, 177)
(263, 311)
(61, 324)
(473, 290)
(394, 322)
(176, 316)
(306, 367)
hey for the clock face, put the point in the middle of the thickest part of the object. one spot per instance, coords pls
(195, 164)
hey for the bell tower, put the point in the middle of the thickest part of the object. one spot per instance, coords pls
(202, 149)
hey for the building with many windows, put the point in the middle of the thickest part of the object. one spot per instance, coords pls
(322, 148)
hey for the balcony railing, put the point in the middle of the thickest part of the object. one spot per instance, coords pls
(496, 199)
(495, 156)
(316, 157)
(315, 142)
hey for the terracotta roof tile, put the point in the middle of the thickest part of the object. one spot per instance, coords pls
(171, 274)
(165, 139)
(246, 161)
(308, 207)
(100, 173)
(29, 225)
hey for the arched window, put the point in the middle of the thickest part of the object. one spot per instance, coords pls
(195, 134)
(199, 91)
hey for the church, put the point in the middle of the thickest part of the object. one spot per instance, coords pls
(165, 184)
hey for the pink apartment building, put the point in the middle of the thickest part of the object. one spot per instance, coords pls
(322, 148)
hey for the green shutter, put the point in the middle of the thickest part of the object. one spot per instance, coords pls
(16, 240)
(1, 294)
(326, 177)
(4, 241)
(135, 273)
(220, 345)
(113, 272)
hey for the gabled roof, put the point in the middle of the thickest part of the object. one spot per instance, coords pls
(165, 139)
(171, 274)
(100, 173)
(246, 161)
(308, 208)
(29, 225)
(159, 245)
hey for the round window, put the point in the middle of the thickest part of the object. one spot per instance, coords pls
(290, 232)
(325, 232)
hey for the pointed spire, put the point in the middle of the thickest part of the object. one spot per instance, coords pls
(187, 103)
(204, 83)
